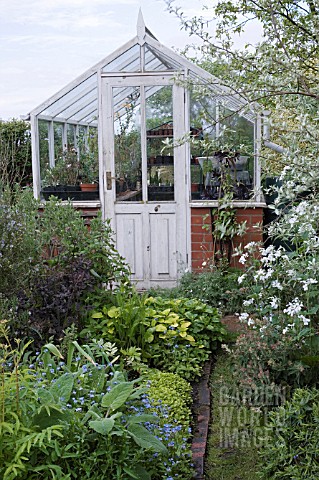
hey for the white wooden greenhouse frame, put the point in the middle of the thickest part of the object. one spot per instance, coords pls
(154, 234)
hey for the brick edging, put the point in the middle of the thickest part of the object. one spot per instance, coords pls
(202, 421)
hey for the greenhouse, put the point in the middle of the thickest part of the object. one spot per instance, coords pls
(141, 136)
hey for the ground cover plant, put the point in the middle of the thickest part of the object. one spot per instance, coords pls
(176, 335)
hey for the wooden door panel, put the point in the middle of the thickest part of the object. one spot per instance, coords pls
(162, 246)
(129, 241)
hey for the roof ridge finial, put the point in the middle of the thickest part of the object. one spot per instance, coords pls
(141, 27)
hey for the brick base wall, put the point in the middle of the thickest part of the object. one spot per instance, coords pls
(202, 240)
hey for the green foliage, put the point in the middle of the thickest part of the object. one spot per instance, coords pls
(182, 344)
(65, 170)
(273, 359)
(174, 334)
(225, 228)
(169, 397)
(77, 418)
(19, 248)
(15, 153)
(51, 261)
(61, 230)
(291, 451)
(218, 288)
(282, 309)
(88, 152)
(174, 393)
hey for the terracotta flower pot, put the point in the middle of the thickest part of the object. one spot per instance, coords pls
(88, 187)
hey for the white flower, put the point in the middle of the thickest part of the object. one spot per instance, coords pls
(250, 245)
(226, 347)
(241, 278)
(204, 264)
(294, 307)
(291, 273)
(250, 322)
(243, 317)
(304, 320)
(306, 283)
(260, 275)
(248, 302)
(243, 258)
(276, 284)
(274, 302)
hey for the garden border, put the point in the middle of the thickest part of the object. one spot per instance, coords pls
(201, 407)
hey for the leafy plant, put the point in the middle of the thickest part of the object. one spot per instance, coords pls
(65, 170)
(87, 144)
(176, 335)
(72, 418)
(169, 397)
(217, 287)
(20, 249)
(55, 301)
(281, 306)
(293, 433)
(15, 154)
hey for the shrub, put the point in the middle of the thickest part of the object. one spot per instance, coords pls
(15, 153)
(54, 301)
(273, 359)
(291, 450)
(65, 236)
(176, 335)
(49, 260)
(183, 332)
(218, 288)
(19, 248)
(282, 307)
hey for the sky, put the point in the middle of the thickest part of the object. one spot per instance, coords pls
(45, 44)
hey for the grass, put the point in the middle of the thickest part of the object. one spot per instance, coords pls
(235, 431)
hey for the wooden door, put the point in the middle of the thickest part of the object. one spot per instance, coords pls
(145, 182)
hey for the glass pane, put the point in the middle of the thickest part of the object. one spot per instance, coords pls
(43, 145)
(58, 146)
(129, 61)
(203, 131)
(70, 135)
(127, 144)
(160, 159)
(156, 60)
(222, 153)
(238, 134)
(74, 96)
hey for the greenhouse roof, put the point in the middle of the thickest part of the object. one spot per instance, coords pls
(77, 103)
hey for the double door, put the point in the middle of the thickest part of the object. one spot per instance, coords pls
(145, 181)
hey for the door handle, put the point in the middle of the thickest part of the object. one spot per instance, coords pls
(157, 208)
(108, 176)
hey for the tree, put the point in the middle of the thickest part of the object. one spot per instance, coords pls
(15, 153)
(279, 73)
